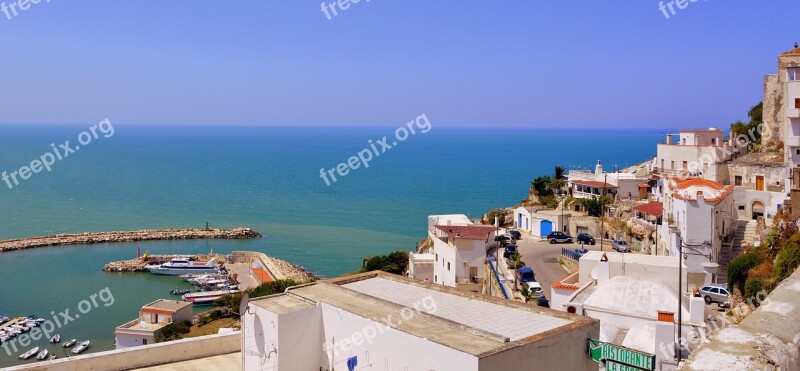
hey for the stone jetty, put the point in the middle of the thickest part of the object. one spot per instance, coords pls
(138, 265)
(127, 236)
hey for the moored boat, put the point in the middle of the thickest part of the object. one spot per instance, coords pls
(52, 357)
(55, 339)
(81, 347)
(29, 353)
(42, 355)
(207, 297)
(69, 343)
(180, 266)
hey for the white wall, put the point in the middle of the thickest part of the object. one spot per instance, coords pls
(389, 349)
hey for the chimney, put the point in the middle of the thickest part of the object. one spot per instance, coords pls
(669, 139)
(603, 270)
(665, 337)
(700, 197)
(598, 169)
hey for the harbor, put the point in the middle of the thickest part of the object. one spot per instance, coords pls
(127, 236)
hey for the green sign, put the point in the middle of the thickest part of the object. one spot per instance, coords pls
(614, 366)
(615, 357)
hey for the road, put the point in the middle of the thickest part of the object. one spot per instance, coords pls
(543, 258)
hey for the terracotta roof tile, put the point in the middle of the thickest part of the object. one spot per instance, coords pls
(652, 208)
(468, 232)
(792, 53)
(565, 286)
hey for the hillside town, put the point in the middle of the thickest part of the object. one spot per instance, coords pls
(685, 261)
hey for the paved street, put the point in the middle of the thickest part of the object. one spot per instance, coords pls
(543, 258)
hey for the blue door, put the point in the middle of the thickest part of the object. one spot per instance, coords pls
(545, 227)
(519, 221)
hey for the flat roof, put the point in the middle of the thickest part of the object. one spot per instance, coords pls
(468, 232)
(475, 324)
(170, 305)
(617, 257)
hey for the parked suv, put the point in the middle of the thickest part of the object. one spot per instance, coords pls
(585, 238)
(504, 240)
(554, 237)
(510, 250)
(525, 274)
(712, 293)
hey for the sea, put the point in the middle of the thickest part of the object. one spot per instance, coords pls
(130, 177)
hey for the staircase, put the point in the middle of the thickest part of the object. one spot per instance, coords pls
(745, 234)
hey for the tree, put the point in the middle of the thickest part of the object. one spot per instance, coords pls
(594, 205)
(499, 213)
(541, 185)
(750, 129)
(396, 263)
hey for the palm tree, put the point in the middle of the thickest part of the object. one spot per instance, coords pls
(559, 173)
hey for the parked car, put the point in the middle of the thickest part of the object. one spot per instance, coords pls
(515, 234)
(621, 246)
(713, 293)
(554, 237)
(534, 289)
(504, 240)
(510, 250)
(525, 274)
(585, 238)
(542, 302)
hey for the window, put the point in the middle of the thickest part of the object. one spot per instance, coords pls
(685, 166)
(144, 341)
(794, 73)
(437, 257)
(741, 207)
(796, 102)
(737, 180)
(723, 291)
(797, 151)
(714, 290)
(448, 266)
(435, 278)
(672, 165)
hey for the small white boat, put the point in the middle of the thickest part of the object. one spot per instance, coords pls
(207, 297)
(29, 353)
(69, 343)
(42, 355)
(55, 339)
(81, 347)
(180, 266)
(52, 357)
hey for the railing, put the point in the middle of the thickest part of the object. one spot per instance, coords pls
(570, 254)
(492, 263)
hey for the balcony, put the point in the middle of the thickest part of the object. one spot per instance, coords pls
(792, 141)
(793, 113)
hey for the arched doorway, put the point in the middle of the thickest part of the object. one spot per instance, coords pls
(757, 209)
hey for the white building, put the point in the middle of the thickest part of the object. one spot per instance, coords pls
(700, 214)
(152, 318)
(588, 184)
(635, 298)
(379, 321)
(459, 251)
(700, 153)
(539, 222)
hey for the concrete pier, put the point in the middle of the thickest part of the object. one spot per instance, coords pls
(127, 236)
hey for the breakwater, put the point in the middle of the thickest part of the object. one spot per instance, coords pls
(127, 236)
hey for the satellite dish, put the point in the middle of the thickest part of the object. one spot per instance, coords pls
(243, 304)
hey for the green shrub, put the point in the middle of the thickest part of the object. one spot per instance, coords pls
(786, 262)
(752, 287)
(500, 214)
(173, 331)
(737, 269)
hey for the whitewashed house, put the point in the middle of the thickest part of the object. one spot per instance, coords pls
(539, 222)
(458, 254)
(588, 184)
(699, 215)
(699, 153)
(152, 319)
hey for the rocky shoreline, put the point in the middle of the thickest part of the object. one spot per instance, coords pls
(127, 236)
(291, 271)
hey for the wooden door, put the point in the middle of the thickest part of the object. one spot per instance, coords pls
(759, 182)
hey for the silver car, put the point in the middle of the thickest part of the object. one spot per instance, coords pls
(718, 294)
(621, 246)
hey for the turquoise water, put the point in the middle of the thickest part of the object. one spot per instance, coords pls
(264, 178)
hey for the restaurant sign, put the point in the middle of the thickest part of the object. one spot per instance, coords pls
(618, 358)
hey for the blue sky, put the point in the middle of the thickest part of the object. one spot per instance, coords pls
(383, 62)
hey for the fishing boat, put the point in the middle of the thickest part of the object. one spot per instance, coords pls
(207, 297)
(69, 343)
(55, 339)
(180, 291)
(81, 347)
(179, 266)
(4, 319)
(42, 355)
(29, 353)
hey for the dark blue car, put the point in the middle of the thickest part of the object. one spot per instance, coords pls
(525, 274)
(510, 249)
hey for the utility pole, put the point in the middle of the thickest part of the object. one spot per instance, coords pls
(602, 210)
